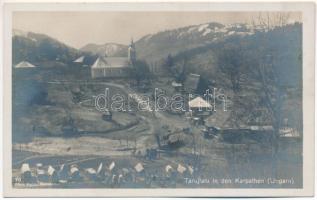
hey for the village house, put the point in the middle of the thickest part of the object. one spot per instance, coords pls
(114, 67)
(24, 64)
(199, 110)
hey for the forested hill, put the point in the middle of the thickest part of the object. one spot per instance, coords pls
(42, 50)
(283, 45)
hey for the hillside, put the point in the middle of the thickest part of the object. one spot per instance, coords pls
(39, 49)
(286, 48)
(157, 46)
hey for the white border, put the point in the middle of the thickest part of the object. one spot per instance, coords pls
(308, 11)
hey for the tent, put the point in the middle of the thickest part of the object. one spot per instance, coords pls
(139, 167)
(191, 169)
(181, 169)
(100, 169)
(26, 174)
(25, 168)
(168, 168)
(24, 64)
(52, 173)
(74, 173)
(92, 174)
(112, 165)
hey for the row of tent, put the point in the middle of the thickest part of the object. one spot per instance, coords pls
(67, 173)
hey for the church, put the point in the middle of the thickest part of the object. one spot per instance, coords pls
(114, 67)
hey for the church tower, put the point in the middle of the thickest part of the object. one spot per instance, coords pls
(132, 52)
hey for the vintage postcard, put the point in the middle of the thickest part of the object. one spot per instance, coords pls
(159, 99)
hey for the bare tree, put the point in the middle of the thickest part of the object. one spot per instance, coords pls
(269, 20)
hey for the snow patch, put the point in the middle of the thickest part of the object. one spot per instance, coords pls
(202, 27)
(191, 29)
(207, 31)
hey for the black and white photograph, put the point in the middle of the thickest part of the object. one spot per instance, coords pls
(159, 99)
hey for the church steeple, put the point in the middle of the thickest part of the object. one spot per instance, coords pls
(132, 52)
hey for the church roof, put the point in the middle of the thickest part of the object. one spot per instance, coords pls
(24, 64)
(111, 62)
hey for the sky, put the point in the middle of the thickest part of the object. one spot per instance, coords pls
(77, 29)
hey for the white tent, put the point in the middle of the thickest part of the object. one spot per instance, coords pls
(181, 169)
(73, 169)
(190, 169)
(199, 102)
(139, 167)
(92, 174)
(52, 174)
(26, 174)
(74, 172)
(24, 64)
(91, 171)
(168, 168)
(100, 168)
(111, 166)
(79, 60)
(25, 168)
(50, 170)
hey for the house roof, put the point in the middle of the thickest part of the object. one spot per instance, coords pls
(192, 81)
(79, 60)
(198, 102)
(111, 62)
(24, 64)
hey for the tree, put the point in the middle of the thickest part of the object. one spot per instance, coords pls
(140, 71)
(169, 63)
(230, 61)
